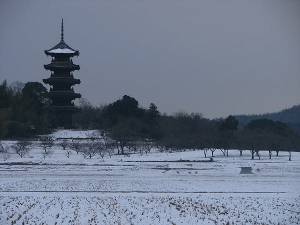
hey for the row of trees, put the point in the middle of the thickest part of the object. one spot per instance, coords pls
(24, 111)
(88, 148)
(126, 122)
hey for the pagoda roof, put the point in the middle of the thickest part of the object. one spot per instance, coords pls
(69, 80)
(54, 65)
(62, 47)
(64, 94)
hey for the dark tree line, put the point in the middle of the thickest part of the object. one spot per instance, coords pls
(126, 122)
(25, 112)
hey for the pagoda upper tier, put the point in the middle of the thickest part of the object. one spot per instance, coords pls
(62, 49)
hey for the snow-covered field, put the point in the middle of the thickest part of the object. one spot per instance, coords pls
(157, 188)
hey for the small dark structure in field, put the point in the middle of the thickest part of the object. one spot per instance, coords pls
(246, 170)
(62, 93)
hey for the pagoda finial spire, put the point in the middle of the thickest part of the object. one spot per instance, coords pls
(62, 29)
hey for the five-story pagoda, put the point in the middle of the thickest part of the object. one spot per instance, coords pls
(61, 81)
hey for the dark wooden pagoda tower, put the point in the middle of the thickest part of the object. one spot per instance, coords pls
(61, 81)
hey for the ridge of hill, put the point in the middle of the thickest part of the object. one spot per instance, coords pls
(290, 116)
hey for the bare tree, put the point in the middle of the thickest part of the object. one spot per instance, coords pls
(270, 154)
(68, 152)
(64, 144)
(76, 145)
(252, 151)
(100, 149)
(161, 148)
(212, 151)
(147, 146)
(22, 147)
(17, 86)
(257, 154)
(46, 143)
(109, 145)
(223, 151)
(133, 146)
(88, 150)
(110, 148)
(4, 151)
(121, 144)
(139, 146)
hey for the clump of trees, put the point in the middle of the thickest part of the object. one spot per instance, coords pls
(89, 147)
(24, 110)
(268, 135)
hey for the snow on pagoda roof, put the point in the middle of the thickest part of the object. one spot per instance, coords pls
(62, 47)
(62, 50)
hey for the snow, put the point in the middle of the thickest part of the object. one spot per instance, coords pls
(75, 134)
(155, 188)
(62, 50)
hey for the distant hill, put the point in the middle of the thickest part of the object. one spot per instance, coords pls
(289, 116)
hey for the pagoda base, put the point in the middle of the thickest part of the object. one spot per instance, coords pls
(63, 116)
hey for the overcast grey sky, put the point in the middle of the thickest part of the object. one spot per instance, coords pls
(213, 57)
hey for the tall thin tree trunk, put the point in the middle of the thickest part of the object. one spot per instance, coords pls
(122, 152)
(257, 154)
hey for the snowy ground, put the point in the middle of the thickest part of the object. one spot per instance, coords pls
(158, 188)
